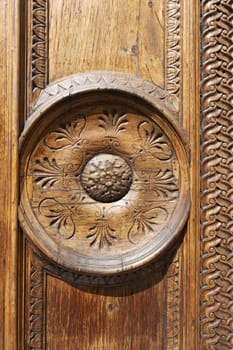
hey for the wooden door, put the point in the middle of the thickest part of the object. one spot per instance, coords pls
(116, 220)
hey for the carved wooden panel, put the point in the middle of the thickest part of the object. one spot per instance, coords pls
(152, 44)
(217, 261)
(101, 158)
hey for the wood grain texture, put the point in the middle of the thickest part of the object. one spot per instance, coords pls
(98, 45)
(110, 325)
(190, 116)
(105, 318)
(107, 35)
(9, 29)
(84, 224)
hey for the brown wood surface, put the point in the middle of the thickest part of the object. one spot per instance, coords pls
(111, 35)
(9, 30)
(120, 316)
(181, 301)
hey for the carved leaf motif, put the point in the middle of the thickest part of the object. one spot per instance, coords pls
(113, 123)
(164, 184)
(144, 222)
(46, 172)
(153, 141)
(67, 135)
(101, 234)
(60, 217)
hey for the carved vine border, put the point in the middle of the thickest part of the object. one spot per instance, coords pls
(35, 305)
(217, 162)
(173, 81)
(173, 50)
(172, 312)
(39, 47)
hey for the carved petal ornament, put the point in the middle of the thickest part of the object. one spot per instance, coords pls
(104, 173)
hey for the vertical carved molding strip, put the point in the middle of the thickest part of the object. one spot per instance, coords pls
(173, 291)
(39, 47)
(173, 50)
(35, 308)
(217, 238)
(173, 87)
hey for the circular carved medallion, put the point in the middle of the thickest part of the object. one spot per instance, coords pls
(104, 179)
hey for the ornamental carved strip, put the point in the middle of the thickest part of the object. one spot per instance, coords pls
(173, 50)
(39, 62)
(217, 161)
(35, 306)
(173, 80)
(173, 292)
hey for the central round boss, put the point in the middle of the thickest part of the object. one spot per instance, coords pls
(107, 178)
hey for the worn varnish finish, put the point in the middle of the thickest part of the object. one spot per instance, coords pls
(9, 28)
(168, 19)
(115, 155)
(132, 43)
(158, 41)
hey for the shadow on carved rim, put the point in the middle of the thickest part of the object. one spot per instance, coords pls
(103, 173)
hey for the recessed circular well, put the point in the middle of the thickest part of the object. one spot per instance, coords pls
(104, 173)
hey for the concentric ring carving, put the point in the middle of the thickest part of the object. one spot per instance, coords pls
(104, 184)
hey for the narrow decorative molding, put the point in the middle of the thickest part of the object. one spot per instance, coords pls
(173, 80)
(173, 50)
(217, 160)
(39, 60)
(35, 304)
(173, 294)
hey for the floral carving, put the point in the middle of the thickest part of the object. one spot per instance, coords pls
(47, 173)
(113, 123)
(173, 49)
(39, 46)
(153, 141)
(101, 234)
(162, 182)
(106, 178)
(145, 220)
(68, 135)
(60, 217)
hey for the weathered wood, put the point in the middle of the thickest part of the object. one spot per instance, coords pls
(159, 56)
(158, 305)
(98, 160)
(9, 29)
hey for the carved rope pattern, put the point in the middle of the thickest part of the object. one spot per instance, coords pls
(39, 46)
(173, 49)
(217, 238)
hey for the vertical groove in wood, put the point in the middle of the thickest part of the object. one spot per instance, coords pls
(217, 161)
